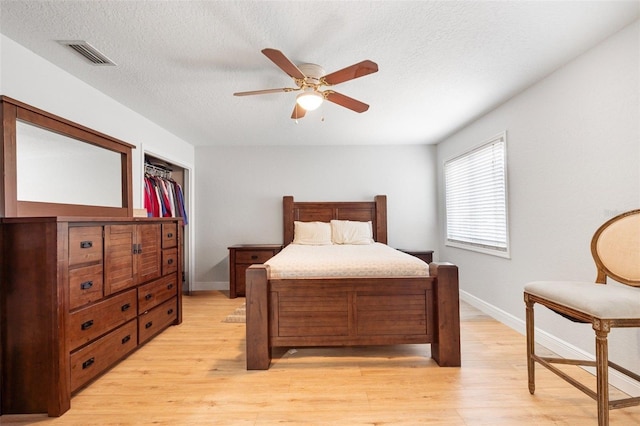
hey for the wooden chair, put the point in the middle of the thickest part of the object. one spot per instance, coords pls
(616, 250)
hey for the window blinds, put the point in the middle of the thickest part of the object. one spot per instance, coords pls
(476, 198)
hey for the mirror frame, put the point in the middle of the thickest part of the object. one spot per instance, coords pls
(12, 110)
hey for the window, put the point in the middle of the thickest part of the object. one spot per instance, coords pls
(476, 198)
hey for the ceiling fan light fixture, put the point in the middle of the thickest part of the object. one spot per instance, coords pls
(309, 100)
(311, 78)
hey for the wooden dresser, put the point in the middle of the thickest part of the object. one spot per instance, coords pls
(241, 256)
(77, 296)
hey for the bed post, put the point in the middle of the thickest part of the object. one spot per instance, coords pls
(381, 218)
(287, 216)
(257, 327)
(446, 348)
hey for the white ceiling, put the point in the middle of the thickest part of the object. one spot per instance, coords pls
(442, 63)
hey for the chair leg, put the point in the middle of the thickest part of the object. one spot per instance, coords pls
(531, 367)
(602, 371)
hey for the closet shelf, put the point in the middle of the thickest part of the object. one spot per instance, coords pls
(152, 170)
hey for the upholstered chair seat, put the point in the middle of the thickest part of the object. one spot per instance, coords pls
(596, 300)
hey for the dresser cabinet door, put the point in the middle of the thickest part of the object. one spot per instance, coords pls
(132, 255)
(148, 258)
(119, 272)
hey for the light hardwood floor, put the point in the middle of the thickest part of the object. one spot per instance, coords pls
(195, 374)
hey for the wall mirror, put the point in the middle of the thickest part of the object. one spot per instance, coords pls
(55, 167)
(92, 172)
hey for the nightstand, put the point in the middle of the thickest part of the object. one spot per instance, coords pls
(424, 255)
(241, 256)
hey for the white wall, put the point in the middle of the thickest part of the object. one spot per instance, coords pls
(29, 78)
(240, 189)
(573, 162)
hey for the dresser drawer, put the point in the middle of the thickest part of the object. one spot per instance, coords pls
(169, 235)
(93, 359)
(85, 245)
(95, 320)
(169, 261)
(156, 319)
(253, 256)
(156, 292)
(85, 285)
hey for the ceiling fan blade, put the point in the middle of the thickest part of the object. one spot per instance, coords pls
(349, 73)
(278, 58)
(264, 92)
(298, 112)
(345, 101)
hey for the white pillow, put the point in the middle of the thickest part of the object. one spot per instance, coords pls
(311, 233)
(351, 232)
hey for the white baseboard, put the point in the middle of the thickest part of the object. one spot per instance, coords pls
(549, 341)
(210, 285)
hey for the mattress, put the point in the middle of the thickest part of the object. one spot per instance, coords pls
(352, 261)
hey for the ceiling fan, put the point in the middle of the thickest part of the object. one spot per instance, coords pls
(310, 78)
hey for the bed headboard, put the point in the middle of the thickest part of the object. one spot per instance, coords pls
(324, 211)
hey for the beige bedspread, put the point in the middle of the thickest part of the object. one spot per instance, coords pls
(326, 261)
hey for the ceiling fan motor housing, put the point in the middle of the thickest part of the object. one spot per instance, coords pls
(313, 73)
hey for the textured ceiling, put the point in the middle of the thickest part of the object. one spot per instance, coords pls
(442, 63)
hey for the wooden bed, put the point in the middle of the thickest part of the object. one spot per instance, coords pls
(350, 311)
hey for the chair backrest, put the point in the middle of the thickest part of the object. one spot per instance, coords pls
(616, 249)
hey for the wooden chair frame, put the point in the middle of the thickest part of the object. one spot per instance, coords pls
(601, 326)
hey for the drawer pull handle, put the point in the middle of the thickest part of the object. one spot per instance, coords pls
(86, 285)
(125, 307)
(170, 235)
(170, 286)
(126, 338)
(254, 256)
(149, 324)
(87, 325)
(86, 244)
(170, 311)
(170, 261)
(148, 296)
(88, 363)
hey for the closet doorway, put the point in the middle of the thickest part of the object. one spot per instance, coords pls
(174, 182)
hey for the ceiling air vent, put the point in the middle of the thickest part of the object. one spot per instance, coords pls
(88, 51)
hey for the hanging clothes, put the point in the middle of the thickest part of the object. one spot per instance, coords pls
(163, 197)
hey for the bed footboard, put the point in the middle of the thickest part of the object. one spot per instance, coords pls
(349, 312)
